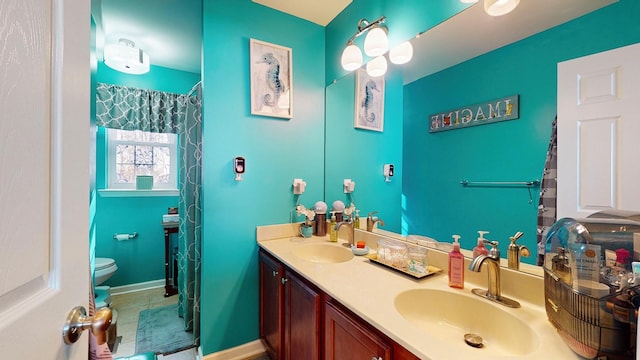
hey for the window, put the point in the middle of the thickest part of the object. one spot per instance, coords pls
(133, 153)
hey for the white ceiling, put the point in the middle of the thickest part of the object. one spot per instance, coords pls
(319, 12)
(170, 31)
(472, 32)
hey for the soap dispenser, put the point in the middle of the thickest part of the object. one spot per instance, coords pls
(480, 249)
(456, 265)
(333, 233)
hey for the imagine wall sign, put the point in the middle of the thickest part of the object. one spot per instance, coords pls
(487, 112)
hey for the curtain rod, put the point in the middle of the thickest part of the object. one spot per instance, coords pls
(193, 89)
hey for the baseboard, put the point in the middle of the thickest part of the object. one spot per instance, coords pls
(147, 285)
(239, 352)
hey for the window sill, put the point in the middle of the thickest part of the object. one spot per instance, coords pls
(137, 193)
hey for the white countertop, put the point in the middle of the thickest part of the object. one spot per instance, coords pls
(369, 290)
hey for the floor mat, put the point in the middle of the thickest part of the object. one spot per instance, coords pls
(161, 330)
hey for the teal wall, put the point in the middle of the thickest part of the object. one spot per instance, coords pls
(359, 154)
(141, 259)
(276, 150)
(436, 204)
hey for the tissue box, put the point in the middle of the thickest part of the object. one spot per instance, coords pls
(170, 218)
(144, 182)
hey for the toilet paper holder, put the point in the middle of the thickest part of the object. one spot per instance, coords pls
(125, 236)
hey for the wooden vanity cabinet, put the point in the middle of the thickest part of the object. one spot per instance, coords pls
(290, 312)
(297, 321)
(346, 337)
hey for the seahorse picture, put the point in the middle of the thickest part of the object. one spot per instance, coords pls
(369, 104)
(271, 84)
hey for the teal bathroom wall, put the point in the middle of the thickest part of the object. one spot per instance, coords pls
(434, 164)
(276, 151)
(134, 214)
(359, 154)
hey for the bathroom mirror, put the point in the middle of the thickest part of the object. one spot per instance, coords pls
(513, 156)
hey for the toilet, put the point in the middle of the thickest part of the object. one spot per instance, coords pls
(104, 269)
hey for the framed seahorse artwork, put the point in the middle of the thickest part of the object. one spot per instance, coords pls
(369, 104)
(271, 79)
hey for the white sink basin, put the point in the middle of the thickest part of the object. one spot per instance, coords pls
(449, 316)
(323, 253)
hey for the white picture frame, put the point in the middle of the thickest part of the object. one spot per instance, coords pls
(369, 102)
(271, 79)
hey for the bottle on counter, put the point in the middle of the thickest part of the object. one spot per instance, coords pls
(456, 265)
(356, 220)
(480, 248)
(333, 233)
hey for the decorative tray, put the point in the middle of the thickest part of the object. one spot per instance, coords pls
(430, 269)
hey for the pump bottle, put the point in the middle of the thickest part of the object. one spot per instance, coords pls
(456, 265)
(333, 233)
(480, 249)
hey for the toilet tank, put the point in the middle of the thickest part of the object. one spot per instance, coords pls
(591, 293)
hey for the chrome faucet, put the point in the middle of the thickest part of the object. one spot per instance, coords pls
(349, 224)
(372, 220)
(493, 270)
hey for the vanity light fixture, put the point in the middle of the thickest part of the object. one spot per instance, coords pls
(376, 44)
(496, 7)
(126, 57)
(500, 7)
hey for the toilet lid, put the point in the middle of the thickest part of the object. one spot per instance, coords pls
(102, 263)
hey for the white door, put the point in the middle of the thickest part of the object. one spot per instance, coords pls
(44, 181)
(599, 133)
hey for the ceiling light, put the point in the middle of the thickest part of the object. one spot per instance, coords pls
(125, 57)
(401, 54)
(377, 67)
(500, 7)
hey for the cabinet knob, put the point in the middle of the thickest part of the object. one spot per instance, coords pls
(283, 280)
(275, 273)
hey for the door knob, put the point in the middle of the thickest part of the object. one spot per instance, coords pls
(78, 321)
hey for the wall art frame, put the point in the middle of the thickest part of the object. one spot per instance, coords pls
(271, 79)
(369, 102)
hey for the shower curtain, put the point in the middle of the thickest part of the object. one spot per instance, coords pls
(126, 108)
(547, 202)
(189, 208)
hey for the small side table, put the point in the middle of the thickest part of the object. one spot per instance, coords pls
(169, 288)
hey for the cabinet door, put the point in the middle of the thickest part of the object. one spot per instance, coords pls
(347, 338)
(302, 319)
(271, 306)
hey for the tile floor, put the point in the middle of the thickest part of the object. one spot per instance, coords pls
(128, 307)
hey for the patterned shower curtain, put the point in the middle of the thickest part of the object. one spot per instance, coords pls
(126, 108)
(190, 209)
(547, 202)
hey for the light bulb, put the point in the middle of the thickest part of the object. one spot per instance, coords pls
(351, 58)
(376, 43)
(500, 7)
(377, 66)
(401, 54)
